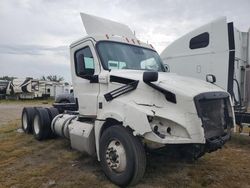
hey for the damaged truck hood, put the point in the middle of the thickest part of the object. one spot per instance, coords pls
(172, 82)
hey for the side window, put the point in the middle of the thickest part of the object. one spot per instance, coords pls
(84, 62)
(199, 41)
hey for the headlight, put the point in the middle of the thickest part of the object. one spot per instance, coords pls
(164, 128)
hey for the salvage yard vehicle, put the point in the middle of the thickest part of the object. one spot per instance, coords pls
(3, 88)
(217, 52)
(127, 102)
(23, 88)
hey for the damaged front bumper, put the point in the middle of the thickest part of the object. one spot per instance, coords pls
(213, 144)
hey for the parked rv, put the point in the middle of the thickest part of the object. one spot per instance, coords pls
(127, 102)
(23, 88)
(219, 53)
(29, 88)
(3, 88)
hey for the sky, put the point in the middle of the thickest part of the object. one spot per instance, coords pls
(35, 34)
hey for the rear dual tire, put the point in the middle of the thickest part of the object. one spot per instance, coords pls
(41, 124)
(38, 120)
(27, 119)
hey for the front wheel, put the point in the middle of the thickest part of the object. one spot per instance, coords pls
(122, 155)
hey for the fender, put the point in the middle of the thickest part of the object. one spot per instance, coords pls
(139, 125)
(99, 124)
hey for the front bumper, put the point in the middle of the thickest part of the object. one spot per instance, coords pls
(213, 144)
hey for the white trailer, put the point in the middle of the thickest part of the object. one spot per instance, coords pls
(54, 89)
(126, 102)
(218, 50)
(23, 88)
(4, 84)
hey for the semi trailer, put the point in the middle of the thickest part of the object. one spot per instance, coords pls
(127, 102)
(217, 52)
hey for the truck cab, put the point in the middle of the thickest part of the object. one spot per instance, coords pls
(217, 49)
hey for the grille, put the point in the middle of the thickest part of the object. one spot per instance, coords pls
(215, 114)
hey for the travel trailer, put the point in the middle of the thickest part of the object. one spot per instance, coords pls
(127, 102)
(29, 88)
(23, 88)
(217, 52)
(3, 88)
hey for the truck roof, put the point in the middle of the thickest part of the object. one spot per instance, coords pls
(112, 38)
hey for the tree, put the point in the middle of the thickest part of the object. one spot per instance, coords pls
(53, 78)
(43, 78)
(9, 78)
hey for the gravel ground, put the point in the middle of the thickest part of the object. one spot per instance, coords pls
(12, 111)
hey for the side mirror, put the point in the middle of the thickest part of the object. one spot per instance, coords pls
(87, 72)
(210, 78)
(150, 76)
(167, 67)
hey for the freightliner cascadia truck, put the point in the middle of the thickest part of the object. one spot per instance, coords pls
(127, 102)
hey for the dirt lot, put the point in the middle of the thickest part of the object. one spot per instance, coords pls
(25, 162)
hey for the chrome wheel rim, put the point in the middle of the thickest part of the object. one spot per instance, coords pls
(116, 156)
(36, 124)
(25, 121)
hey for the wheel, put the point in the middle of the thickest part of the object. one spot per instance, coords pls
(41, 124)
(53, 112)
(122, 155)
(27, 119)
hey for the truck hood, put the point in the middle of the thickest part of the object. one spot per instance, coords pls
(175, 83)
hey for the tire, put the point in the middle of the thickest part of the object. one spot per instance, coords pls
(121, 139)
(27, 119)
(53, 112)
(41, 124)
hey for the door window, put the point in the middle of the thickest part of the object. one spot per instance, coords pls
(84, 62)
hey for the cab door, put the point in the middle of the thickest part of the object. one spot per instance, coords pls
(85, 69)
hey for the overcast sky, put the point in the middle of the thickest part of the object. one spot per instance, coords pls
(35, 34)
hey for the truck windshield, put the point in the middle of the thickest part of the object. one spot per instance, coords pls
(116, 55)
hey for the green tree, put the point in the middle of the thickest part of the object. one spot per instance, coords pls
(9, 78)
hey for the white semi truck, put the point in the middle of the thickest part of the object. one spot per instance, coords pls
(219, 51)
(126, 102)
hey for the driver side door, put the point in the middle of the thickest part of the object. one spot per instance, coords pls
(86, 70)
